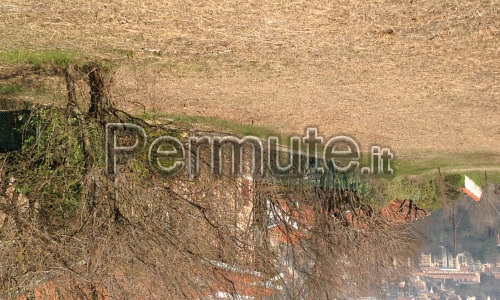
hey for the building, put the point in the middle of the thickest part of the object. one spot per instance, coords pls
(426, 260)
(461, 260)
(460, 276)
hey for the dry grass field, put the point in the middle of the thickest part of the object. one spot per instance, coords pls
(419, 76)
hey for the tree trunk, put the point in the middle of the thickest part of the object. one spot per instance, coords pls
(99, 101)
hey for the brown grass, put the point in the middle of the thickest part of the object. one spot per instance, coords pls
(413, 75)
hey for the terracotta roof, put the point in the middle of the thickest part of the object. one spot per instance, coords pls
(299, 220)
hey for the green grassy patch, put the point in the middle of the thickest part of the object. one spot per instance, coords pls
(473, 165)
(216, 124)
(7, 90)
(481, 178)
(40, 91)
(456, 162)
(15, 89)
(37, 58)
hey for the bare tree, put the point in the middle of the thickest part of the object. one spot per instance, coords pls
(69, 230)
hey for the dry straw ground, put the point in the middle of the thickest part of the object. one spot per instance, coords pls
(415, 75)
